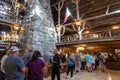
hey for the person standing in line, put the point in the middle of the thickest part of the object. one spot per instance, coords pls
(96, 62)
(2, 64)
(70, 64)
(83, 62)
(78, 61)
(27, 56)
(56, 65)
(3, 60)
(35, 67)
(88, 62)
(101, 62)
(93, 62)
(14, 67)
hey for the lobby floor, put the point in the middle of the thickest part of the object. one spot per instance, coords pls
(96, 75)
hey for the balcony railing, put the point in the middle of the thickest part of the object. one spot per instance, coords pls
(103, 34)
(9, 12)
(8, 17)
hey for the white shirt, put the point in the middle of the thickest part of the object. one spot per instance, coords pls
(93, 59)
(2, 63)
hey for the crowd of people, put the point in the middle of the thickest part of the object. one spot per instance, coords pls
(88, 62)
(31, 66)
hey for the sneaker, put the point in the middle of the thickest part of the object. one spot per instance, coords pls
(72, 78)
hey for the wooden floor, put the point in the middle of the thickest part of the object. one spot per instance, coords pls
(95, 75)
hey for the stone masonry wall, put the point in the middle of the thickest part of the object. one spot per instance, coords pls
(41, 34)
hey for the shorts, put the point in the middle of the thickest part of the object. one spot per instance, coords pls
(88, 64)
(93, 64)
(78, 64)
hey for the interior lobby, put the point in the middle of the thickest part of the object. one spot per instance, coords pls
(70, 26)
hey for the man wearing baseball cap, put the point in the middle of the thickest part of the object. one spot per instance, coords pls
(14, 67)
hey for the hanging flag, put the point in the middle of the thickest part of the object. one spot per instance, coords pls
(67, 14)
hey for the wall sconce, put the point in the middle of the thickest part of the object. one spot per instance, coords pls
(16, 27)
(87, 31)
(58, 28)
(78, 22)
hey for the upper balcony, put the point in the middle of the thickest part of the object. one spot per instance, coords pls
(10, 12)
(96, 36)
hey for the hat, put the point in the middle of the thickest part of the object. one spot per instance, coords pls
(14, 48)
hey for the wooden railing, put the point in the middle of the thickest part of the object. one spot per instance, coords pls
(8, 18)
(103, 34)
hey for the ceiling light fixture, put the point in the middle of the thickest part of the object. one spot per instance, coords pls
(77, 22)
(115, 27)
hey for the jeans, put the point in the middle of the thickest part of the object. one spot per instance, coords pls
(70, 69)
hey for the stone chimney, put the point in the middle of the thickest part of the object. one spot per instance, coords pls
(39, 28)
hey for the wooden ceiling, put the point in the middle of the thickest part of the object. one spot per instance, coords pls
(88, 9)
(99, 14)
(95, 12)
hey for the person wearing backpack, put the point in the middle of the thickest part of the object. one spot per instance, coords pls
(70, 64)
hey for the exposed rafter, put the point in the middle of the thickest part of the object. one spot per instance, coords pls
(91, 18)
(97, 9)
(53, 5)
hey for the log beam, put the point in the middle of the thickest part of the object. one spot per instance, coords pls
(53, 5)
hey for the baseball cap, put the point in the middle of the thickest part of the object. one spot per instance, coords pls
(14, 48)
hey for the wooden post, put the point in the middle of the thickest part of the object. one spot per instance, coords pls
(110, 33)
(77, 8)
(80, 27)
(59, 33)
(58, 8)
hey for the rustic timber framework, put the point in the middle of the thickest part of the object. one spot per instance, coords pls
(9, 17)
(59, 26)
(89, 19)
